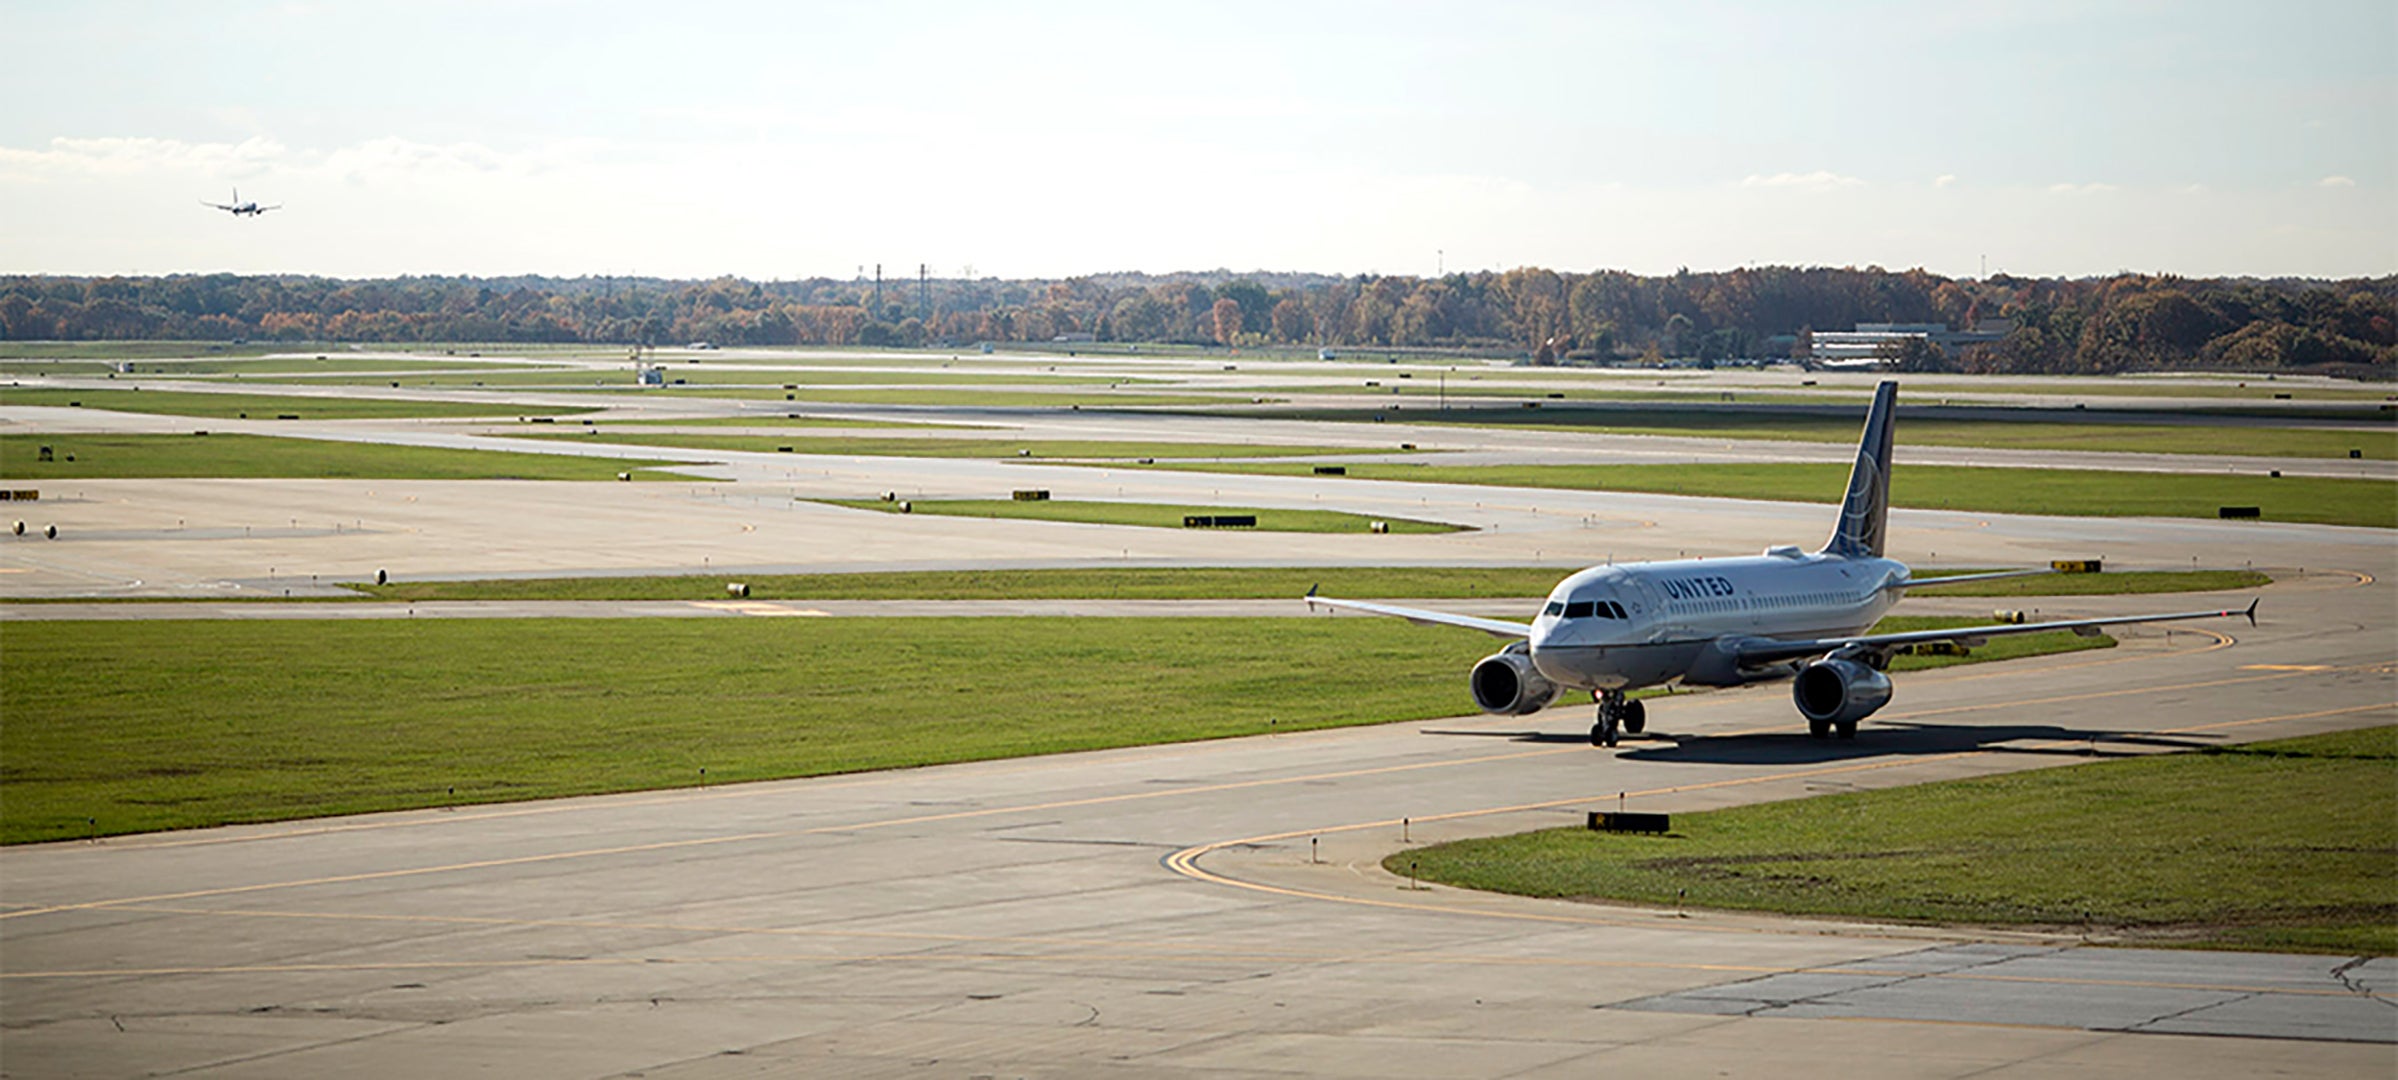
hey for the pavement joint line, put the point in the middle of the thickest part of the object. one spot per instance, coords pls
(1185, 862)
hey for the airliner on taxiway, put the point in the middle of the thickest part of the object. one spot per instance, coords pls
(1724, 622)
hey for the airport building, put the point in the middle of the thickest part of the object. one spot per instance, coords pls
(1870, 341)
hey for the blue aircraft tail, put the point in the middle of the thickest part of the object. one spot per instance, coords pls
(1867, 507)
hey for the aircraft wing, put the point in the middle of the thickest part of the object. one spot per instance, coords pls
(1756, 651)
(1955, 579)
(218, 205)
(264, 209)
(1500, 628)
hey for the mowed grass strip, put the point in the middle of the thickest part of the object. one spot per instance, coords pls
(700, 379)
(252, 457)
(1143, 583)
(1178, 583)
(992, 397)
(2248, 441)
(942, 446)
(2007, 647)
(130, 350)
(1149, 515)
(2064, 492)
(173, 724)
(1730, 422)
(2288, 846)
(266, 406)
(2110, 583)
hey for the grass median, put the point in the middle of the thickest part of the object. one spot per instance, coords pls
(267, 406)
(1150, 515)
(1191, 583)
(1128, 583)
(2284, 846)
(118, 727)
(254, 457)
(942, 446)
(2063, 492)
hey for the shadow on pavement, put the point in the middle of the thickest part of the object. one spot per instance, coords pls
(1873, 740)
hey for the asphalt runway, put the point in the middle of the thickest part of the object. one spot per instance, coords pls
(1206, 910)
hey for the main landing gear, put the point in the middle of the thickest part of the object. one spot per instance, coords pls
(1617, 714)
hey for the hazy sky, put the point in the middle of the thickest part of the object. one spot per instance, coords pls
(777, 140)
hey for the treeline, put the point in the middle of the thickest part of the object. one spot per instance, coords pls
(2089, 325)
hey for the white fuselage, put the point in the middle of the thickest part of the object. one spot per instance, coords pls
(1640, 624)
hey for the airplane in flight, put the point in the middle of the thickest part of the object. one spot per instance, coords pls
(238, 208)
(1724, 622)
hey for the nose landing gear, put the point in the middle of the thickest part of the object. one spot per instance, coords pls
(1617, 714)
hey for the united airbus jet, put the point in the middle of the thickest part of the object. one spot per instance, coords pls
(1786, 613)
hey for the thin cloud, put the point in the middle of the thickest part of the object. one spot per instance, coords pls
(1944, 180)
(2335, 181)
(2080, 189)
(1819, 180)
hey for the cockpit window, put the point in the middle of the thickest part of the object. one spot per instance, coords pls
(1579, 609)
(1554, 608)
(1616, 610)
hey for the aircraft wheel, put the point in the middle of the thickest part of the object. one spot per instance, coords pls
(1636, 717)
(1598, 734)
(1848, 730)
(1819, 729)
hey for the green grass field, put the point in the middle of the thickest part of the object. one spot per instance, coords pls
(788, 420)
(129, 350)
(118, 727)
(2285, 846)
(1179, 583)
(2069, 492)
(2111, 583)
(942, 447)
(222, 456)
(211, 368)
(158, 725)
(1149, 515)
(268, 406)
(1729, 423)
(1144, 583)
(2010, 647)
(1426, 391)
(702, 378)
(988, 398)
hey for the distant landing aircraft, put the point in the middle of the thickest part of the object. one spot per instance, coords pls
(1723, 622)
(238, 208)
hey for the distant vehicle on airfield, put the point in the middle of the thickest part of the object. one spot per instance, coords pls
(238, 208)
(1724, 622)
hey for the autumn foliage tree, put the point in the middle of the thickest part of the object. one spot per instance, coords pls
(2065, 326)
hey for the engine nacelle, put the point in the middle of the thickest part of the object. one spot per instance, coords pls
(1507, 684)
(1839, 692)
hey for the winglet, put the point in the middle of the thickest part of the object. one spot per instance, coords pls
(2251, 613)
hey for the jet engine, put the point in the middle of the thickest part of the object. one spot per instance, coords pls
(1507, 684)
(1836, 692)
